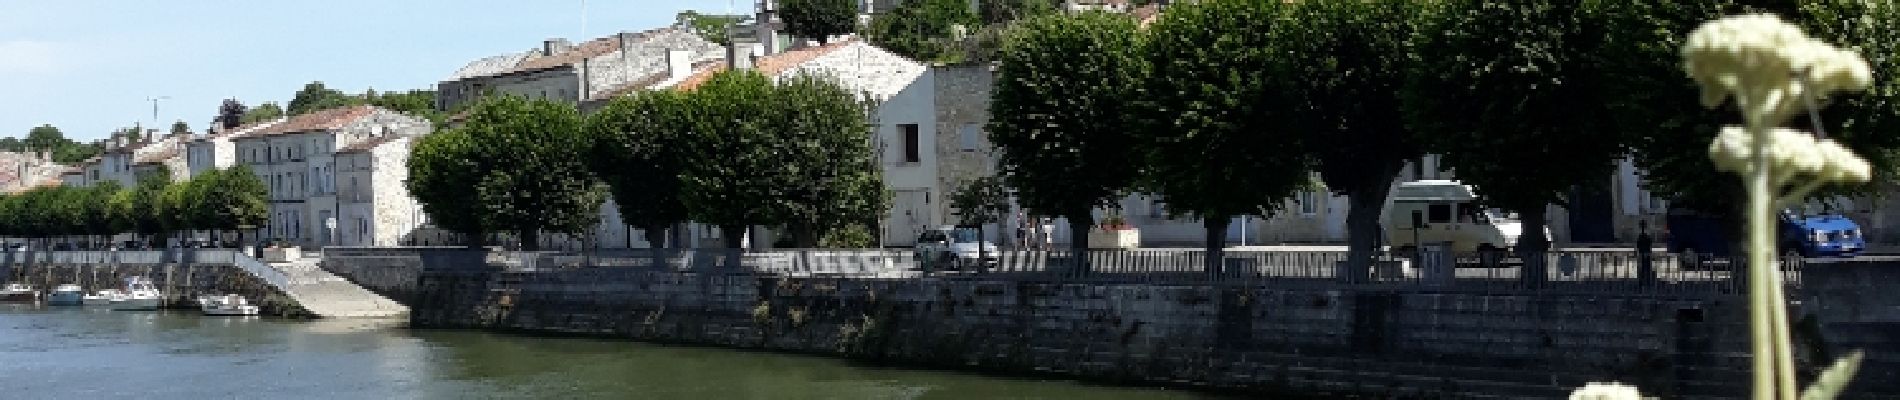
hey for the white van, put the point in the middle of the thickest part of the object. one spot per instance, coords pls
(1449, 212)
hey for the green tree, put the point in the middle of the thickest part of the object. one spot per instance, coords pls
(819, 19)
(1349, 62)
(45, 138)
(76, 152)
(443, 175)
(1524, 120)
(316, 97)
(1215, 131)
(1060, 115)
(528, 158)
(97, 210)
(263, 112)
(712, 27)
(234, 199)
(146, 210)
(12, 144)
(180, 128)
(729, 186)
(640, 153)
(827, 168)
(923, 29)
(1004, 11)
(419, 103)
(979, 202)
(230, 114)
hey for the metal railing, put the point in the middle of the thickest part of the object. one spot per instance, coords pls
(1568, 271)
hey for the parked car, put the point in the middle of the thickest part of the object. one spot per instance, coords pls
(957, 248)
(1818, 235)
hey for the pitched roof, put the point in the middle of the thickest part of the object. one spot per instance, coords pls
(157, 157)
(589, 49)
(365, 146)
(770, 65)
(321, 120)
(651, 80)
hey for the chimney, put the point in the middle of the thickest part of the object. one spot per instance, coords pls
(553, 45)
(118, 140)
(679, 63)
(627, 39)
(740, 55)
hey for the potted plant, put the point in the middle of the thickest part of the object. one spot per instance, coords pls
(1114, 232)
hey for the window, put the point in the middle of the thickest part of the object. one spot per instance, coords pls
(1438, 213)
(1309, 202)
(912, 149)
(970, 135)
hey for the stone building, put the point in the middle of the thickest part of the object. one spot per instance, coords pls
(217, 150)
(589, 72)
(22, 171)
(296, 161)
(376, 209)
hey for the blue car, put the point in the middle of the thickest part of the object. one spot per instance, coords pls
(1820, 235)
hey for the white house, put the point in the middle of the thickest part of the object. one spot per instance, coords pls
(217, 150)
(376, 209)
(296, 161)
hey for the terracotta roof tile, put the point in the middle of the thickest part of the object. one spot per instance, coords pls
(321, 120)
(586, 50)
(770, 65)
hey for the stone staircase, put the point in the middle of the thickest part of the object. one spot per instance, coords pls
(331, 296)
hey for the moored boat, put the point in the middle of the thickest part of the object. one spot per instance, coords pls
(66, 295)
(140, 295)
(102, 297)
(19, 293)
(227, 305)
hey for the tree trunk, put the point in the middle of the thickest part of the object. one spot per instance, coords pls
(530, 239)
(1079, 224)
(733, 235)
(1531, 247)
(1365, 205)
(655, 234)
(1216, 226)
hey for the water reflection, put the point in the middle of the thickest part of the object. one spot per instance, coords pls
(80, 352)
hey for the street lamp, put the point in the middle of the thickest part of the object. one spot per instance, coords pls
(155, 101)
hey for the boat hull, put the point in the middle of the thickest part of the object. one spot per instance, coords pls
(19, 297)
(140, 304)
(231, 311)
(65, 299)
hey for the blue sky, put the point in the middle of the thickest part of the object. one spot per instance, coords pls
(89, 66)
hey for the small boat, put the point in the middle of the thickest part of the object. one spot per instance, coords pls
(229, 304)
(19, 293)
(66, 295)
(102, 297)
(140, 295)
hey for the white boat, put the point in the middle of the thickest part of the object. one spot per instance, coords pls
(19, 293)
(66, 295)
(229, 304)
(140, 295)
(102, 297)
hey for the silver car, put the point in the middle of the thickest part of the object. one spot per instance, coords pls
(954, 248)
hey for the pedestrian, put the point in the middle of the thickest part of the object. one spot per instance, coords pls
(1048, 233)
(1022, 231)
(1645, 269)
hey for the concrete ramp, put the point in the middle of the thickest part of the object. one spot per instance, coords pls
(324, 293)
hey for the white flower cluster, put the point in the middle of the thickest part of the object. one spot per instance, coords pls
(1790, 152)
(1768, 66)
(1606, 391)
(1771, 68)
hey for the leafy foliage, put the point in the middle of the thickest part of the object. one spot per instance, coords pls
(524, 158)
(419, 103)
(1524, 120)
(316, 97)
(233, 198)
(263, 112)
(1003, 11)
(1215, 139)
(640, 152)
(1060, 113)
(980, 201)
(443, 175)
(46, 138)
(923, 29)
(230, 114)
(712, 27)
(819, 19)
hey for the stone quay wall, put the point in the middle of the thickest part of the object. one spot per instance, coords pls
(1281, 341)
(181, 283)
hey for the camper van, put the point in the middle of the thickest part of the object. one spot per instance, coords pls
(1446, 212)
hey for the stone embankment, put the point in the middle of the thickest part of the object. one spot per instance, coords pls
(295, 289)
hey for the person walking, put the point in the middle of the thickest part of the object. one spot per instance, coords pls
(1645, 269)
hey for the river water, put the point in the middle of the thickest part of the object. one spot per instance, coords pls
(76, 353)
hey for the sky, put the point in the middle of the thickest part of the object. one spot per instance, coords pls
(89, 67)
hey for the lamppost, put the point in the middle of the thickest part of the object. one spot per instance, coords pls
(155, 101)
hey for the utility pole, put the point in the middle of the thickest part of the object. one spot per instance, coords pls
(155, 101)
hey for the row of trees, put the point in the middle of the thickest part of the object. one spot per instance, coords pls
(219, 200)
(738, 151)
(1228, 107)
(315, 96)
(49, 139)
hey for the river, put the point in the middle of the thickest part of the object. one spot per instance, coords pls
(76, 353)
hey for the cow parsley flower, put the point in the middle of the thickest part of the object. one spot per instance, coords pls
(1606, 391)
(1768, 66)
